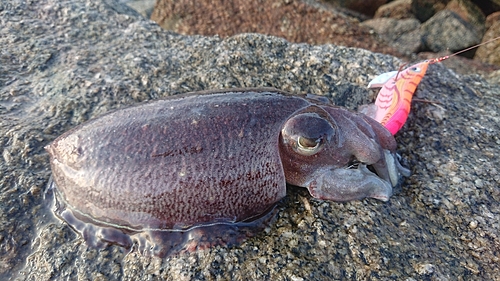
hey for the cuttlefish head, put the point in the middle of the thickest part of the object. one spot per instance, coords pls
(339, 155)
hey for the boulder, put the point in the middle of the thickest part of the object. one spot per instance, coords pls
(470, 13)
(63, 63)
(425, 9)
(446, 30)
(399, 9)
(295, 20)
(405, 34)
(367, 7)
(490, 53)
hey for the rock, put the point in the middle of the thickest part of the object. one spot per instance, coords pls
(399, 9)
(470, 13)
(294, 20)
(143, 7)
(367, 7)
(494, 77)
(490, 53)
(405, 34)
(425, 9)
(492, 19)
(488, 6)
(64, 62)
(448, 31)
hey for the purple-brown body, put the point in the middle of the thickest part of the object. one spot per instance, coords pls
(216, 161)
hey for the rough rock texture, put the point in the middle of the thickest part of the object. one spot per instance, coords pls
(295, 20)
(490, 53)
(143, 7)
(399, 9)
(404, 34)
(447, 25)
(470, 13)
(367, 7)
(458, 26)
(492, 19)
(462, 65)
(494, 77)
(65, 62)
(446, 30)
(425, 9)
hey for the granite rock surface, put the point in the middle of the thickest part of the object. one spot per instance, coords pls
(63, 63)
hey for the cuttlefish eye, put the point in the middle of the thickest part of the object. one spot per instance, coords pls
(308, 144)
(307, 133)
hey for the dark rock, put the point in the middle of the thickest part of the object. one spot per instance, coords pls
(488, 6)
(425, 9)
(470, 13)
(405, 34)
(448, 31)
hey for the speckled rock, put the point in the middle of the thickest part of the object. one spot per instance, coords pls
(460, 25)
(143, 7)
(446, 30)
(494, 77)
(403, 34)
(469, 12)
(65, 62)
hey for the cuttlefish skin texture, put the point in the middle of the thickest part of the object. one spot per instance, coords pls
(211, 165)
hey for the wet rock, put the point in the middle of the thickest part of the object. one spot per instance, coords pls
(446, 30)
(403, 34)
(63, 63)
(399, 9)
(294, 20)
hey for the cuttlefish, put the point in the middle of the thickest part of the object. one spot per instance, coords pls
(208, 167)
